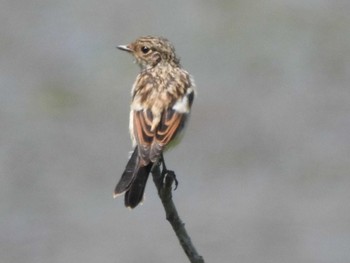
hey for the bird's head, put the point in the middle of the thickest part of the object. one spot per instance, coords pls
(150, 51)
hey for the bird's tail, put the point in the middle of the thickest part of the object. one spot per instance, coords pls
(133, 181)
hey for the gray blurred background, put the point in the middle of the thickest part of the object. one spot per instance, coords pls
(264, 166)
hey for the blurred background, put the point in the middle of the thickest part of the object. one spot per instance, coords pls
(264, 166)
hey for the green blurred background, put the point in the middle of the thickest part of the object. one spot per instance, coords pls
(264, 166)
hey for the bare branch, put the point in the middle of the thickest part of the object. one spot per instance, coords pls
(163, 181)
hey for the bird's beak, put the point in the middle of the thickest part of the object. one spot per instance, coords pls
(125, 48)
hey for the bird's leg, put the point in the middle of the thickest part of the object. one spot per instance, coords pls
(167, 173)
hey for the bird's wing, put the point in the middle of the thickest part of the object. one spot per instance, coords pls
(151, 142)
(172, 123)
(142, 122)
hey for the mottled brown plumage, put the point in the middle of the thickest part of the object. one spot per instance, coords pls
(162, 96)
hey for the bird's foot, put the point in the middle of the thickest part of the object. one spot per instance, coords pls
(169, 177)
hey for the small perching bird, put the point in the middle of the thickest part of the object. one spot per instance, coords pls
(162, 97)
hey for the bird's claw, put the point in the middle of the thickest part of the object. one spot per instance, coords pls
(169, 177)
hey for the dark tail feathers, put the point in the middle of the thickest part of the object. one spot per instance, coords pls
(133, 181)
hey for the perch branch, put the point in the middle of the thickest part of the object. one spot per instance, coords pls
(163, 181)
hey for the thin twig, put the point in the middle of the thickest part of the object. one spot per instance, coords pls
(163, 182)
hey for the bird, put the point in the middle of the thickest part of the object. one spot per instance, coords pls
(161, 101)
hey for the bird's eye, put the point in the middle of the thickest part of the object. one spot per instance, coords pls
(145, 50)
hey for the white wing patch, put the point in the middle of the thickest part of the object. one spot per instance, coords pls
(131, 128)
(182, 105)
